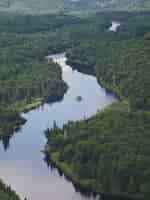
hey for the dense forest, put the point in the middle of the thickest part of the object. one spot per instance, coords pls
(122, 66)
(72, 7)
(25, 75)
(110, 152)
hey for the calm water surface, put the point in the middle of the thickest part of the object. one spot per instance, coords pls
(21, 162)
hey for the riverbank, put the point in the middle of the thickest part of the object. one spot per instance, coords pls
(101, 153)
(104, 151)
(31, 136)
(26, 78)
(91, 70)
(95, 154)
(11, 118)
(87, 187)
(44, 84)
(10, 121)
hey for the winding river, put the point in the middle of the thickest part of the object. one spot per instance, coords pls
(21, 161)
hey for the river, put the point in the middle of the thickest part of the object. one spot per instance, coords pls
(22, 163)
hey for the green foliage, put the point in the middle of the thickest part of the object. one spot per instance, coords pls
(6, 193)
(47, 6)
(112, 148)
(122, 66)
(80, 7)
(9, 120)
(110, 151)
(26, 77)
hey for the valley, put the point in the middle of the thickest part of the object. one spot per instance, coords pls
(101, 143)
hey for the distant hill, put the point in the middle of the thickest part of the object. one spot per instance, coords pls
(46, 6)
(32, 6)
(127, 5)
(73, 6)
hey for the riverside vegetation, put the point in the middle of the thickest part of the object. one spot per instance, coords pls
(109, 153)
(27, 80)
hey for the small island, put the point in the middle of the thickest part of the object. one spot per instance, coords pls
(78, 98)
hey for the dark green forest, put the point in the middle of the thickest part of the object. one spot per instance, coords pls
(121, 66)
(110, 152)
(26, 79)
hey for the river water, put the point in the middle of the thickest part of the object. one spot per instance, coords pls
(21, 159)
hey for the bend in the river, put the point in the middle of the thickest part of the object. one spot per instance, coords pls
(22, 164)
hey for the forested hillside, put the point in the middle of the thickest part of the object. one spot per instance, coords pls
(122, 66)
(47, 6)
(26, 77)
(128, 5)
(110, 152)
(21, 6)
(78, 7)
(6, 193)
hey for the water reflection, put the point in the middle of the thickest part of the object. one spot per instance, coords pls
(5, 141)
